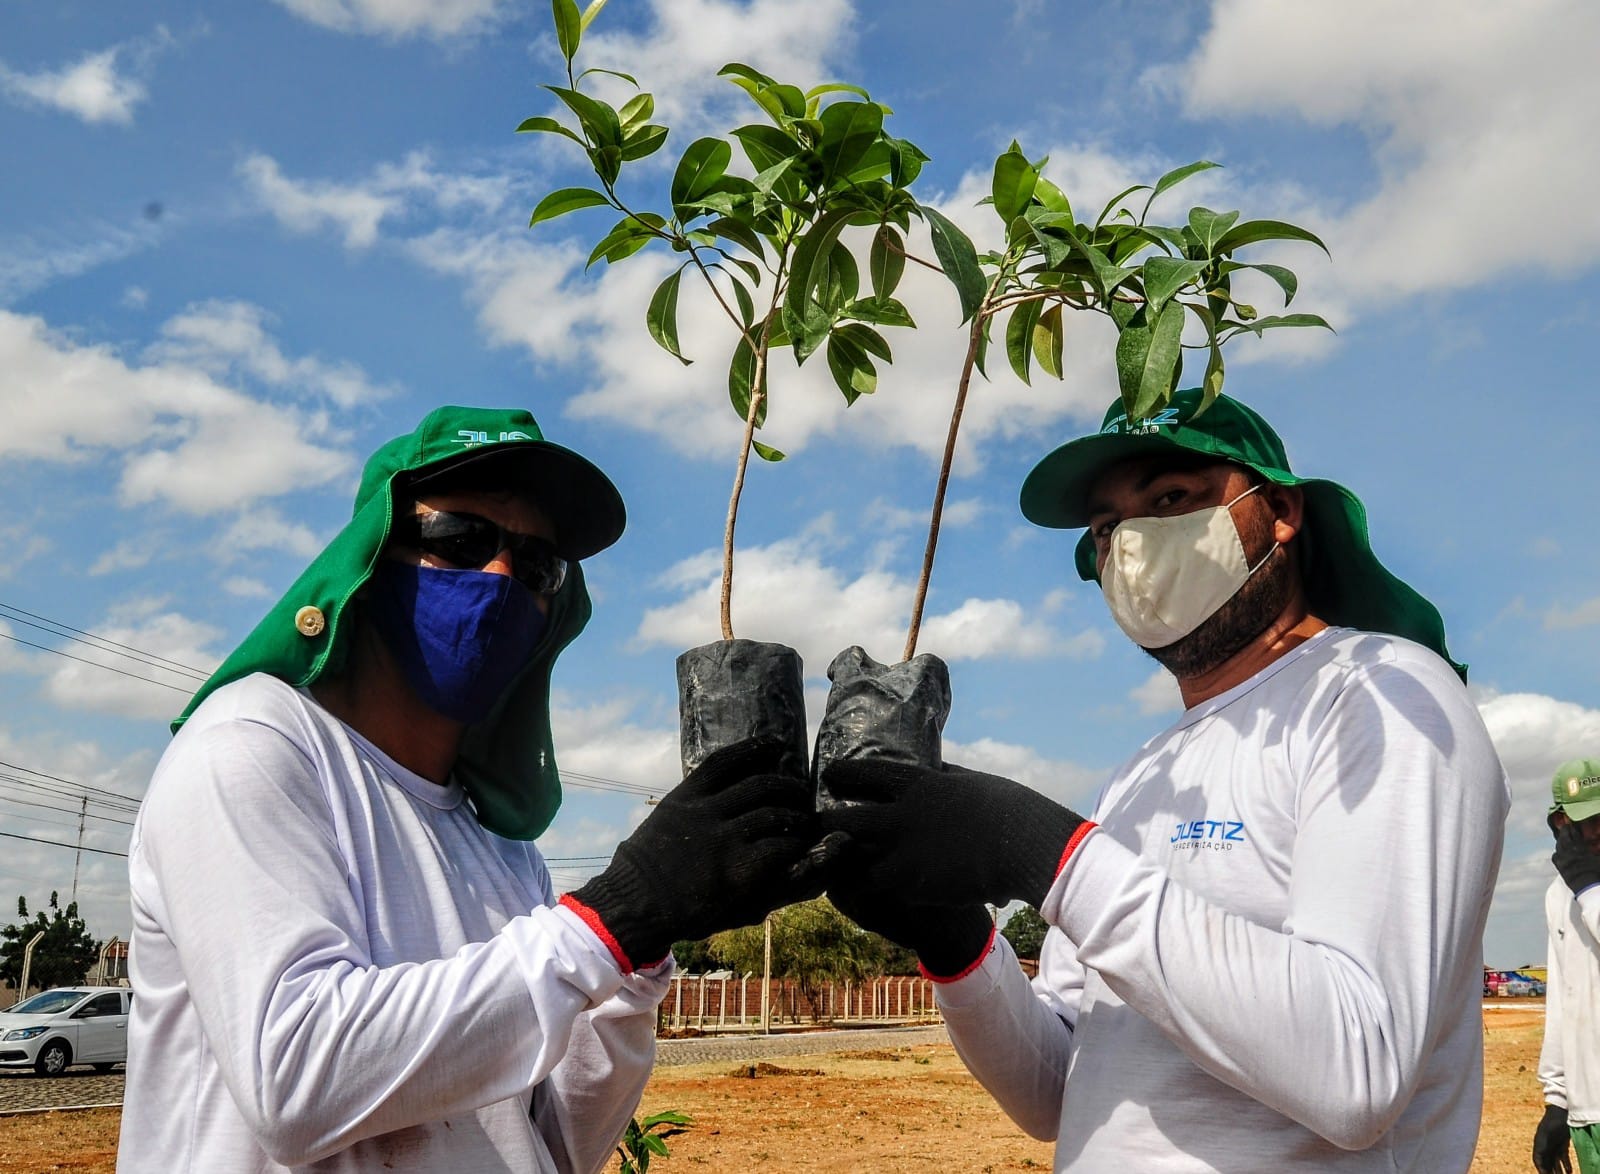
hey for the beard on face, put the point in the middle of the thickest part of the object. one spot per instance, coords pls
(1250, 611)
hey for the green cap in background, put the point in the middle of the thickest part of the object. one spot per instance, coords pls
(1345, 583)
(507, 761)
(1575, 790)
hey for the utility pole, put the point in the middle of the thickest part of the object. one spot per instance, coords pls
(766, 976)
(83, 812)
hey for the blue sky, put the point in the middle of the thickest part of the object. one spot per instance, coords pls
(241, 248)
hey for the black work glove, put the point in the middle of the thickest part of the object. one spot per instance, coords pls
(948, 836)
(1578, 866)
(723, 849)
(947, 940)
(1551, 1142)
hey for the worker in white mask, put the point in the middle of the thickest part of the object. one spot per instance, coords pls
(1266, 940)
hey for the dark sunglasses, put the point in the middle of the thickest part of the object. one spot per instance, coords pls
(466, 540)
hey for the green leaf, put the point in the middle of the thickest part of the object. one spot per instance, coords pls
(905, 161)
(1252, 231)
(807, 268)
(591, 12)
(627, 237)
(1212, 385)
(564, 200)
(739, 69)
(1165, 276)
(741, 380)
(837, 88)
(569, 26)
(1048, 341)
(767, 453)
(886, 260)
(1284, 277)
(1210, 228)
(627, 77)
(1108, 276)
(747, 307)
(880, 312)
(705, 162)
(1117, 199)
(607, 162)
(1013, 185)
(741, 234)
(642, 141)
(1172, 179)
(840, 282)
(848, 129)
(662, 316)
(599, 120)
(655, 1145)
(853, 371)
(545, 125)
(958, 259)
(1019, 337)
(1051, 197)
(636, 109)
(1273, 321)
(1149, 354)
(867, 339)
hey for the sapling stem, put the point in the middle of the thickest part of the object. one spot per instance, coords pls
(974, 341)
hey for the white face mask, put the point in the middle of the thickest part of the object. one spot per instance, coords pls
(1164, 577)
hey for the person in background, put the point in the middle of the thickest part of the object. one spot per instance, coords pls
(1266, 943)
(347, 953)
(1569, 1061)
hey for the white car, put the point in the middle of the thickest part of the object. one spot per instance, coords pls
(68, 1025)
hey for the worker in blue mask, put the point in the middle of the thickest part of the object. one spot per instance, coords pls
(1265, 942)
(347, 952)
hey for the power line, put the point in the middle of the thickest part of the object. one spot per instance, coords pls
(59, 844)
(72, 782)
(100, 643)
(97, 664)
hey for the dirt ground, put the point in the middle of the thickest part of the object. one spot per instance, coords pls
(897, 1110)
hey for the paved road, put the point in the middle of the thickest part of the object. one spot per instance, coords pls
(23, 1090)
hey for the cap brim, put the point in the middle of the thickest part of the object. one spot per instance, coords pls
(1056, 492)
(580, 501)
(1578, 812)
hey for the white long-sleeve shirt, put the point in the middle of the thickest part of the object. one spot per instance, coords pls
(1268, 957)
(336, 967)
(1569, 1061)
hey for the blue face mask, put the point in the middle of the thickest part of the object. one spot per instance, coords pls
(459, 637)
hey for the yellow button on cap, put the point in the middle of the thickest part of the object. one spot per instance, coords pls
(308, 621)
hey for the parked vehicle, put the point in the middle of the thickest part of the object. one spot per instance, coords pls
(68, 1025)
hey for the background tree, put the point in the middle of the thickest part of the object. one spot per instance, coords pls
(697, 957)
(812, 944)
(62, 957)
(1025, 931)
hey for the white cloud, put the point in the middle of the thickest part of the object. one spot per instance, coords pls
(1158, 694)
(357, 210)
(31, 262)
(241, 587)
(181, 437)
(127, 555)
(786, 592)
(266, 529)
(1067, 783)
(93, 88)
(226, 337)
(88, 675)
(676, 56)
(135, 297)
(1535, 734)
(600, 739)
(1583, 615)
(439, 19)
(882, 514)
(1455, 154)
